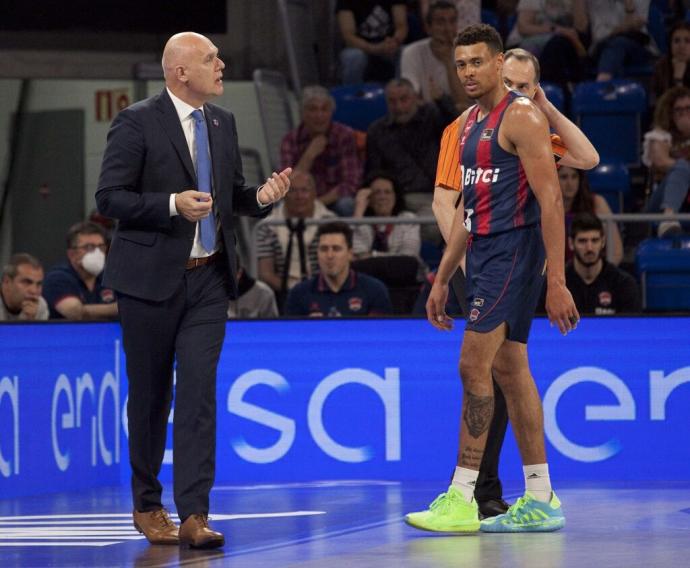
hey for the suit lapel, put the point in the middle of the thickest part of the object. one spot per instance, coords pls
(171, 124)
(215, 141)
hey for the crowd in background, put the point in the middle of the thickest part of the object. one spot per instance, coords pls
(389, 171)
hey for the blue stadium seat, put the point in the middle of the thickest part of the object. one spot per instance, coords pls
(609, 114)
(359, 105)
(555, 94)
(611, 180)
(664, 269)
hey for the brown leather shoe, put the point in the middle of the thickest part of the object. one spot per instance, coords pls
(157, 527)
(196, 533)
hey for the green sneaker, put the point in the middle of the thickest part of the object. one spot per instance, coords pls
(449, 512)
(528, 515)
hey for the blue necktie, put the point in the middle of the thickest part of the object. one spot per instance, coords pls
(207, 226)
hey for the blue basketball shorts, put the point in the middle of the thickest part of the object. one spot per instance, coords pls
(505, 276)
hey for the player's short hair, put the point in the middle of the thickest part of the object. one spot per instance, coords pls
(439, 5)
(480, 33)
(334, 228)
(11, 269)
(583, 222)
(524, 55)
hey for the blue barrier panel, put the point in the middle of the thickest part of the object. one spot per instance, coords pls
(348, 399)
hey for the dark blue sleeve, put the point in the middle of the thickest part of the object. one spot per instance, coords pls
(295, 304)
(57, 286)
(379, 298)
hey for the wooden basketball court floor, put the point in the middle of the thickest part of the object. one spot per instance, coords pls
(351, 524)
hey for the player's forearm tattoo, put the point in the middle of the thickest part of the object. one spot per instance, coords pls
(471, 457)
(478, 413)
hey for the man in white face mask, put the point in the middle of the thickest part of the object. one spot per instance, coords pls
(73, 289)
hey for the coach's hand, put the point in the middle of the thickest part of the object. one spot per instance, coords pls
(193, 205)
(436, 307)
(560, 308)
(275, 187)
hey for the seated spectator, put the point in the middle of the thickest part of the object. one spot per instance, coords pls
(325, 149)
(429, 63)
(287, 252)
(382, 198)
(666, 151)
(619, 34)
(20, 293)
(73, 289)
(337, 290)
(672, 69)
(597, 286)
(578, 198)
(467, 12)
(553, 32)
(255, 299)
(373, 31)
(406, 141)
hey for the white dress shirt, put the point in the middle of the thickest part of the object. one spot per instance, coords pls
(184, 113)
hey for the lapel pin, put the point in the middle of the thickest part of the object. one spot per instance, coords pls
(215, 122)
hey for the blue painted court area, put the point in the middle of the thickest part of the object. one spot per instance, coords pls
(353, 524)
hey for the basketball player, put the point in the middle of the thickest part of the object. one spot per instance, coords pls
(512, 210)
(571, 148)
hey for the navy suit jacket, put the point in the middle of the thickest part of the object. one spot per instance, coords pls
(146, 159)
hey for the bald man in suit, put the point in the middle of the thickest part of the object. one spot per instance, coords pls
(172, 177)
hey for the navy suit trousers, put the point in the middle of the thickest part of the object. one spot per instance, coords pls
(185, 333)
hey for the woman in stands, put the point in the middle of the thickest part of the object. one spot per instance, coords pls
(381, 197)
(672, 69)
(666, 151)
(578, 198)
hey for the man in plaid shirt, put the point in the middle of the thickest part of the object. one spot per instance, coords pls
(326, 149)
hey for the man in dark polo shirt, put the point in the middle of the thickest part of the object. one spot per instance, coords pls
(73, 289)
(597, 286)
(337, 290)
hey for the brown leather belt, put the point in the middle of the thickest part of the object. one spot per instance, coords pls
(202, 261)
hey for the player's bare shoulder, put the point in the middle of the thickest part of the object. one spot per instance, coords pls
(522, 122)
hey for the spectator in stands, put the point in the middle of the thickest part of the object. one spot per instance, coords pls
(672, 69)
(553, 32)
(578, 198)
(406, 141)
(381, 197)
(429, 63)
(73, 289)
(326, 149)
(20, 293)
(337, 290)
(666, 151)
(619, 34)
(287, 252)
(255, 299)
(373, 31)
(597, 286)
(467, 12)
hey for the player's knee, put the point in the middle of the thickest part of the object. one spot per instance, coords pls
(473, 371)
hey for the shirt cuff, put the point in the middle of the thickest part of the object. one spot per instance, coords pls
(172, 207)
(262, 205)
